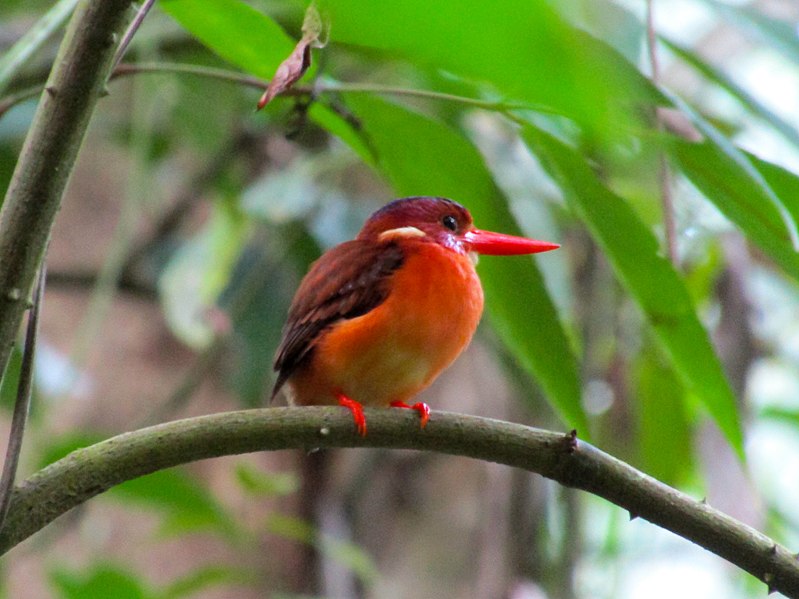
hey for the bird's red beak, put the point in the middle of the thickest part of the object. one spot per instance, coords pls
(499, 244)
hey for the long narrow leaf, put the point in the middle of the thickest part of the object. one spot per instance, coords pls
(772, 32)
(26, 46)
(784, 182)
(522, 48)
(759, 185)
(740, 199)
(651, 280)
(406, 144)
(664, 435)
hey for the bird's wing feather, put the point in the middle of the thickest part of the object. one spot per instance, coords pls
(347, 281)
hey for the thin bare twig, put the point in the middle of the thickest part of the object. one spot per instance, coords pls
(23, 400)
(131, 31)
(664, 171)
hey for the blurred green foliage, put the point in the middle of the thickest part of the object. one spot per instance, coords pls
(431, 100)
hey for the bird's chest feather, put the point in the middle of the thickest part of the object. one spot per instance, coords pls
(395, 350)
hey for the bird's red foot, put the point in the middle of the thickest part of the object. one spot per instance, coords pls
(422, 408)
(357, 412)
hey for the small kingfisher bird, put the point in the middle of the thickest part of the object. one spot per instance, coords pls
(378, 318)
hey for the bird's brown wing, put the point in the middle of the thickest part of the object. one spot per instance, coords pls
(347, 281)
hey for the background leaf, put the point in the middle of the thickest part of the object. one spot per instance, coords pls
(186, 505)
(649, 278)
(740, 199)
(100, 582)
(487, 43)
(234, 30)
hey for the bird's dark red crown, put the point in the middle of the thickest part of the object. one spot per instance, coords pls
(422, 212)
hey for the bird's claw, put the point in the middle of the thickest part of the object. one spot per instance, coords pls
(421, 407)
(357, 412)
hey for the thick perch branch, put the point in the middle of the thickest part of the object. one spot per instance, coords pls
(85, 473)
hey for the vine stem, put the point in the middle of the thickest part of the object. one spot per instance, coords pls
(87, 472)
(237, 78)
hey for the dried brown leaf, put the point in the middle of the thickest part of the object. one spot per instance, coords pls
(298, 62)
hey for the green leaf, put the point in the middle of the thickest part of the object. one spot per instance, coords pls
(186, 505)
(421, 156)
(257, 299)
(102, 581)
(784, 183)
(737, 159)
(15, 57)
(198, 273)
(336, 124)
(660, 292)
(234, 30)
(741, 200)
(265, 484)
(60, 447)
(521, 47)
(783, 415)
(664, 435)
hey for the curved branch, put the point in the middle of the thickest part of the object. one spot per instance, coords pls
(87, 472)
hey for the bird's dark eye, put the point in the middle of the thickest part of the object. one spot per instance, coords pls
(450, 222)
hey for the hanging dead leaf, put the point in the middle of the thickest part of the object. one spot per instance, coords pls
(298, 62)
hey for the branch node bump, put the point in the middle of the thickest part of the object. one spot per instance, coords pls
(570, 440)
(51, 91)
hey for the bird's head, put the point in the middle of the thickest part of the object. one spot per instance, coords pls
(447, 223)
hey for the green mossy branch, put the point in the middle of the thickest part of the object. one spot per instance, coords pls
(85, 473)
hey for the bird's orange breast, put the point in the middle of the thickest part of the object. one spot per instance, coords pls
(397, 349)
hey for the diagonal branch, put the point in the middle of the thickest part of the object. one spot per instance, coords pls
(85, 473)
(51, 148)
(22, 403)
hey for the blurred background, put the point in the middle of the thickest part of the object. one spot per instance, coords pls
(190, 219)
